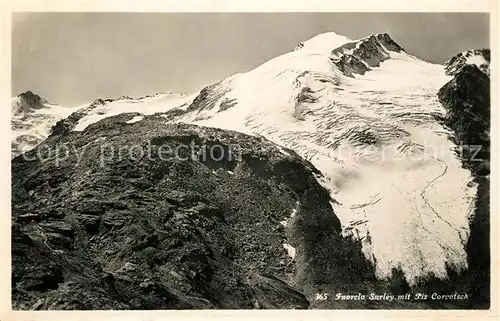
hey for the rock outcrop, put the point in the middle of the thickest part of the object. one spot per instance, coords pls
(360, 56)
(467, 100)
(27, 102)
(67, 125)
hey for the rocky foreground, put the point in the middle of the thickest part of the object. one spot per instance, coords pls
(108, 232)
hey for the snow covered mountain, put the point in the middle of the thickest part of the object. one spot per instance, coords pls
(367, 115)
(478, 57)
(32, 117)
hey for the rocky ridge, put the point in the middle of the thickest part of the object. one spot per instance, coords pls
(478, 57)
(360, 56)
(153, 234)
(467, 100)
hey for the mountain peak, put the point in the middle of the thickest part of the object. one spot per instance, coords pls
(477, 57)
(29, 99)
(386, 40)
(26, 102)
(359, 56)
(323, 42)
(330, 40)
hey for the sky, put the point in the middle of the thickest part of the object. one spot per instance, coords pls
(75, 58)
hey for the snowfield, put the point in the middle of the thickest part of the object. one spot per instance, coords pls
(395, 182)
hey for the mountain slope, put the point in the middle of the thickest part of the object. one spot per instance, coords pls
(94, 232)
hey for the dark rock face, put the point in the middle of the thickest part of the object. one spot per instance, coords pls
(96, 229)
(208, 97)
(23, 108)
(349, 65)
(359, 57)
(467, 100)
(299, 46)
(386, 40)
(30, 100)
(110, 221)
(370, 51)
(227, 103)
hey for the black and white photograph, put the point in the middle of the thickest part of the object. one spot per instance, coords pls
(250, 160)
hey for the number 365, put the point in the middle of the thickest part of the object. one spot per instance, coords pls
(321, 296)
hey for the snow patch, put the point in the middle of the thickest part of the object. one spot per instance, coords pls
(477, 60)
(292, 215)
(290, 250)
(135, 119)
